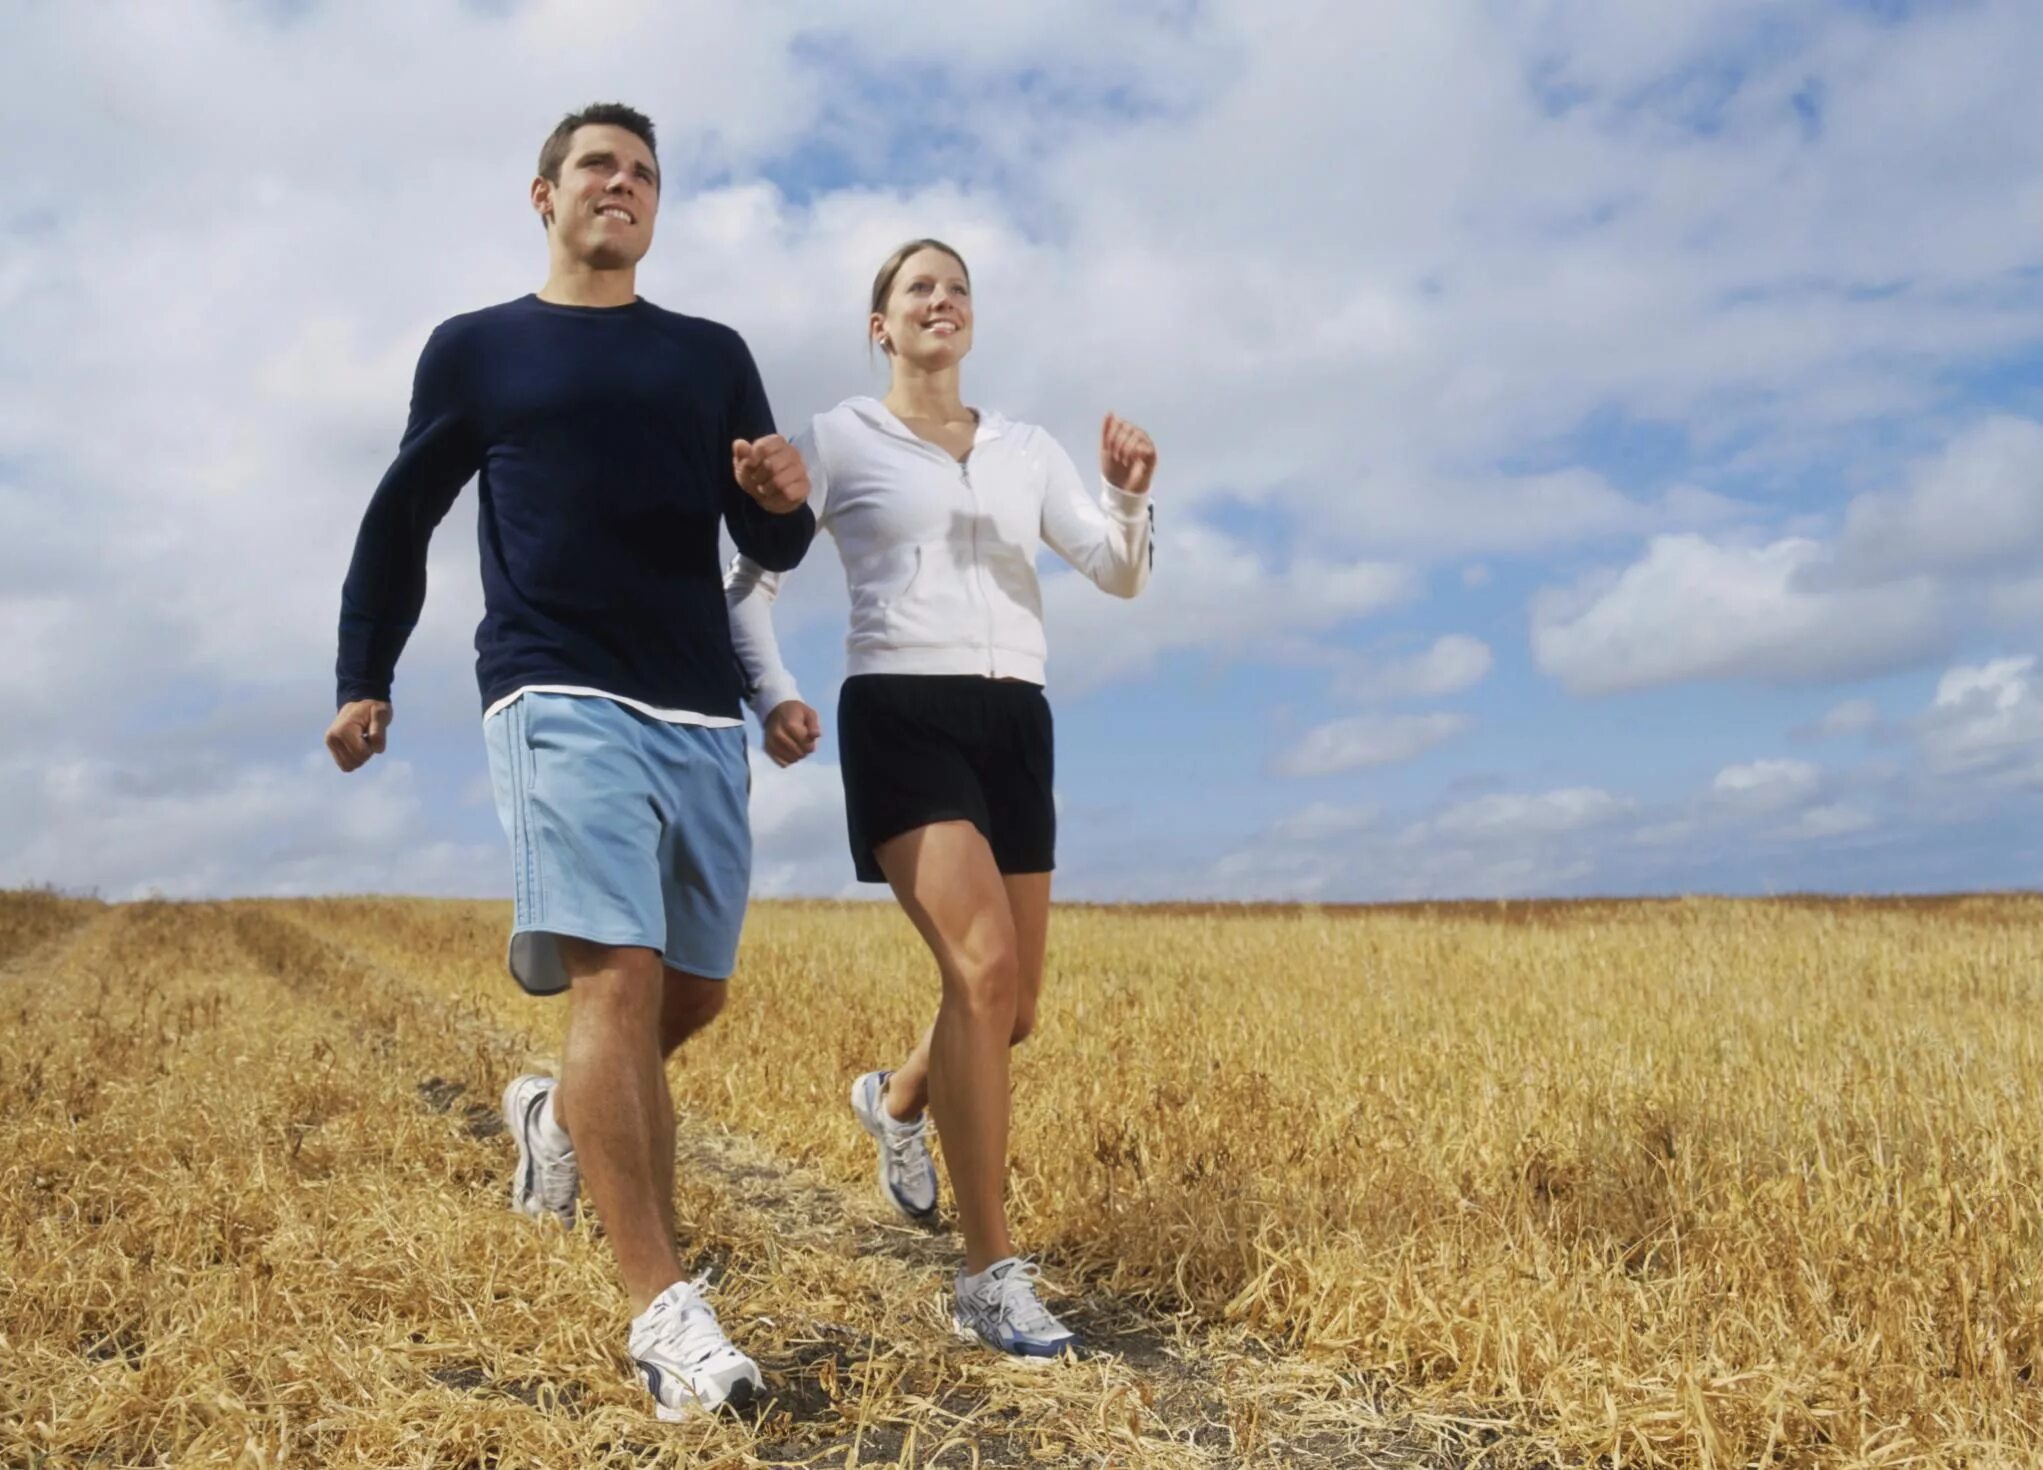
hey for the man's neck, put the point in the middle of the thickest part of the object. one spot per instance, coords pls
(569, 283)
(931, 397)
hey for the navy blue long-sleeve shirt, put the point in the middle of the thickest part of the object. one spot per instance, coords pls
(602, 438)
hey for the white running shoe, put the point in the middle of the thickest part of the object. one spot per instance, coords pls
(688, 1365)
(907, 1174)
(548, 1178)
(999, 1308)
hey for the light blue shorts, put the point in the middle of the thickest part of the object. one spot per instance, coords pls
(624, 830)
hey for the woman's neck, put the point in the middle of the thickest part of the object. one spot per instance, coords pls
(928, 396)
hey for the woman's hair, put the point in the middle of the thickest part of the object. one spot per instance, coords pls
(883, 283)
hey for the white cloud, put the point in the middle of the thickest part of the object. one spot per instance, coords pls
(1495, 845)
(1208, 594)
(188, 428)
(1368, 740)
(1837, 819)
(1323, 820)
(2000, 686)
(1986, 723)
(1452, 663)
(1463, 872)
(1908, 569)
(199, 824)
(1508, 816)
(1695, 609)
(1273, 870)
(1766, 785)
(1977, 506)
(1676, 266)
(1437, 514)
(1852, 717)
(1665, 834)
(798, 832)
(2017, 602)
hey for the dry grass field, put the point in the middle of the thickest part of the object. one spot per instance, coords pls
(1686, 1184)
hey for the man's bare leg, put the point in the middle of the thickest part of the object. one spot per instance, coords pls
(688, 1005)
(613, 1102)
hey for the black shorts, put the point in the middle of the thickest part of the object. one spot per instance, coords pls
(923, 748)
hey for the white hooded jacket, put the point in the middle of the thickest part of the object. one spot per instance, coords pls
(940, 556)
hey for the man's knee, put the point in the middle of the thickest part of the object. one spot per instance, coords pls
(612, 984)
(690, 1004)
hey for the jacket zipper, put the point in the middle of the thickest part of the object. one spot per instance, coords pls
(977, 582)
(978, 561)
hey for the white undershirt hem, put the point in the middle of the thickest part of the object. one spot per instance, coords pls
(670, 716)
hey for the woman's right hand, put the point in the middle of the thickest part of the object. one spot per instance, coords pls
(792, 731)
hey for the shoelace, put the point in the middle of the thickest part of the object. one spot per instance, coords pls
(1016, 1294)
(558, 1183)
(903, 1140)
(553, 1174)
(695, 1336)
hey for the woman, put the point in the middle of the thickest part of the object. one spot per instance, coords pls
(943, 731)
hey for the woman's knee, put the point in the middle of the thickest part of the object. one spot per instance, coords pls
(988, 985)
(1024, 1021)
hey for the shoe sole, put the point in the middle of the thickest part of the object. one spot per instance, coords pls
(872, 1129)
(515, 1125)
(742, 1395)
(965, 1332)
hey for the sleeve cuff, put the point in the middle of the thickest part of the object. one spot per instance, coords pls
(772, 693)
(1121, 505)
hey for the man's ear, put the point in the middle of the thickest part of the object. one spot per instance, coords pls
(542, 200)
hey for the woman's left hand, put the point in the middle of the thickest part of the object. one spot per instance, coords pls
(1127, 456)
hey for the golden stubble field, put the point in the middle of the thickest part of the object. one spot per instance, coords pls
(1687, 1183)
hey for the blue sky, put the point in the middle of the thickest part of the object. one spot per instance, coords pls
(1602, 445)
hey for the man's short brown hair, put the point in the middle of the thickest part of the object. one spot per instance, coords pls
(553, 153)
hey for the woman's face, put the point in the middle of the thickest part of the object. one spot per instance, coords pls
(928, 315)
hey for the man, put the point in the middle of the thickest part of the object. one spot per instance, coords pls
(611, 438)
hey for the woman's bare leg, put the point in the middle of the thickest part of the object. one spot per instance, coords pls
(946, 880)
(1028, 901)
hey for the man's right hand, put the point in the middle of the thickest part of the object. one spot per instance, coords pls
(359, 731)
(792, 731)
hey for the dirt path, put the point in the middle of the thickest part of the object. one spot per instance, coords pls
(269, 1171)
(1178, 1393)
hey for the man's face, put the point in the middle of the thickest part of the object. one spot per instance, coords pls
(602, 209)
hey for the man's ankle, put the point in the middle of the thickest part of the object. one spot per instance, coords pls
(639, 1303)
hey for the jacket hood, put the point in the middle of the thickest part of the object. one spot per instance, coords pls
(876, 415)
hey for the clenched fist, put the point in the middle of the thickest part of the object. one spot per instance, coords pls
(792, 731)
(358, 732)
(771, 471)
(1127, 456)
